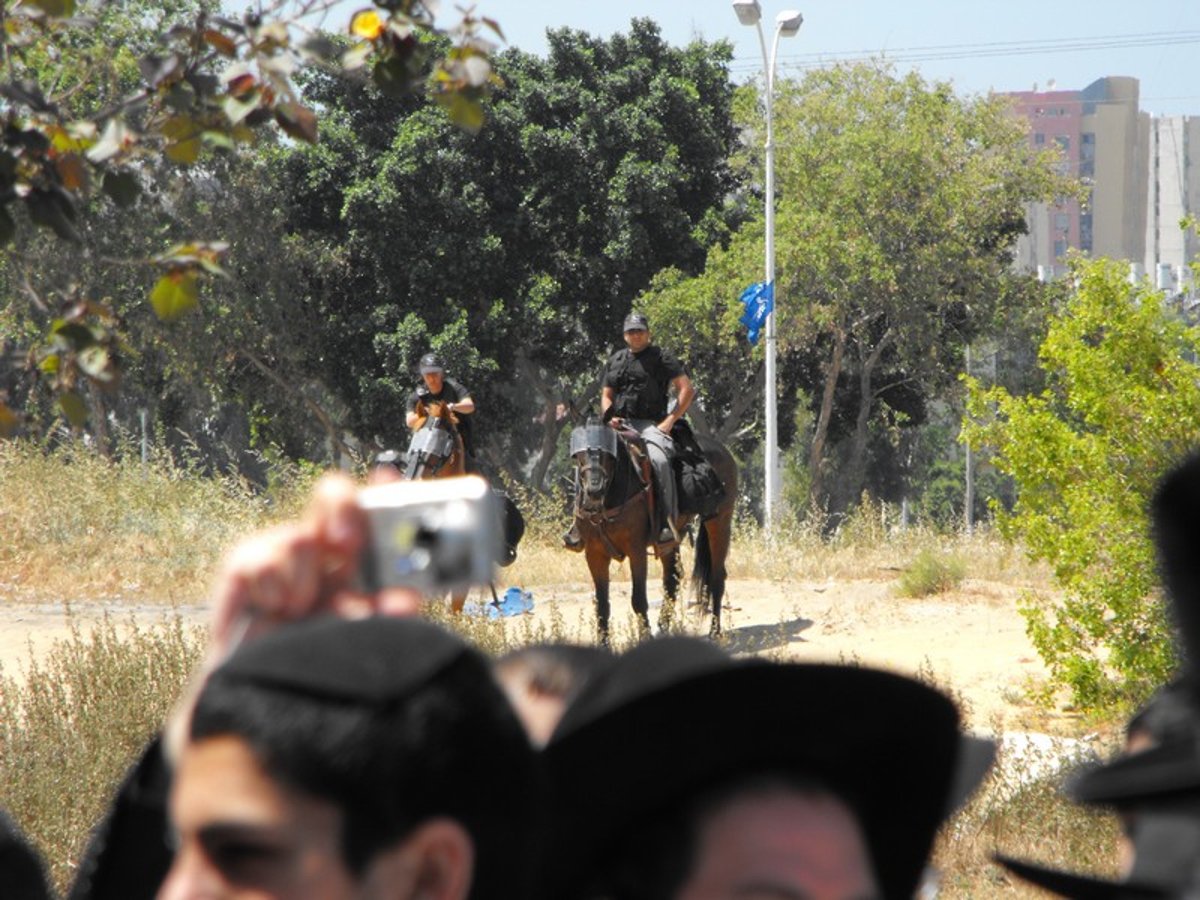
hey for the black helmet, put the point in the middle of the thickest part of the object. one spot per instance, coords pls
(431, 362)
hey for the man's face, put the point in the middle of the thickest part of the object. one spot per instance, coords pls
(244, 836)
(637, 341)
(434, 381)
(781, 845)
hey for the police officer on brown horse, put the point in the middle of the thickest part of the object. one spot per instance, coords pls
(635, 393)
(436, 387)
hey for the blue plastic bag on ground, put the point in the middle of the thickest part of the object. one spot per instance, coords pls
(512, 602)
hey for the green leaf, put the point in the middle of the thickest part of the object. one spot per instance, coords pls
(175, 295)
(123, 187)
(58, 8)
(75, 335)
(50, 364)
(184, 152)
(464, 112)
(73, 407)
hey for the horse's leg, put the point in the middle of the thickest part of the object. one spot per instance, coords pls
(597, 560)
(670, 586)
(720, 532)
(637, 577)
(457, 602)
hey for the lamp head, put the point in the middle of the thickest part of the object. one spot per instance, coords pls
(788, 22)
(748, 11)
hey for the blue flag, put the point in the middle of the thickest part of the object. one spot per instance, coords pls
(759, 300)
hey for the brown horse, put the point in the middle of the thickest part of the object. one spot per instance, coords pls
(612, 512)
(436, 451)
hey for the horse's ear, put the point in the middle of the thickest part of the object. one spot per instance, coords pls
(574, 413)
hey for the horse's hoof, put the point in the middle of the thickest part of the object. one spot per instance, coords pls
(714, 630)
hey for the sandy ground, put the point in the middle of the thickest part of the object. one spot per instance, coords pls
(971, 643)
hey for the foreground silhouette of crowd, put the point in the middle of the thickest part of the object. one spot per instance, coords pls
(338, 745)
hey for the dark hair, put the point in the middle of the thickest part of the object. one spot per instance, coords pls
(560, 670)
(654, 859)
(454, 748)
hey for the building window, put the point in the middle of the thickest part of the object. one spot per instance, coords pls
(1062, 221)
(1060, 248)
(1064, 142)
(1039, 139)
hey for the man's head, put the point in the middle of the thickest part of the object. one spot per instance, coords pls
(677, 719)
(637, 332)
(340, 758)
(433, 371)
(541, 680)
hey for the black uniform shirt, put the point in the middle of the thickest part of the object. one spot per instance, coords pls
(641, 382)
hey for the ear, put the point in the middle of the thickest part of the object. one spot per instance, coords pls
(434, 862)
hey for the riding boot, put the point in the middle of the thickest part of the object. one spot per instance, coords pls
(573, 540)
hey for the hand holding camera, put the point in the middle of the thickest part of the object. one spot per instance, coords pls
(355, 553)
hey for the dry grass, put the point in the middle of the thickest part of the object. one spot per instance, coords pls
(75, 526)
(73, 719)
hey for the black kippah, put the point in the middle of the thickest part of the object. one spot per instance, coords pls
(368, 661)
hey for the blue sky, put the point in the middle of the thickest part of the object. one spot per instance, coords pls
(977, 44)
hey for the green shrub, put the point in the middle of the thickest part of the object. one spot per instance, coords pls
(931, 573)
(1121, 407)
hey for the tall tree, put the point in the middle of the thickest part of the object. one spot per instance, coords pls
(523, 245)
(898, 206)
(105, 103)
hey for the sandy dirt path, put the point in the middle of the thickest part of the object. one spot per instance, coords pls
(971, 642)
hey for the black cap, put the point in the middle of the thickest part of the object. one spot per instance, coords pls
(636, 322)
(888, 742)
(430, 363)
(372, 661)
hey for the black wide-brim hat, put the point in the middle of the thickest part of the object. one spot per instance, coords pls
(628, 750)
(1079, 886)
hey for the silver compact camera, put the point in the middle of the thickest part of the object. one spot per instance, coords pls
(434, 536)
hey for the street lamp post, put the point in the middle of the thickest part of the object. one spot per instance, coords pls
(787, 23)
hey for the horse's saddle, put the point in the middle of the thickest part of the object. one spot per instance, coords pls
(638, 454)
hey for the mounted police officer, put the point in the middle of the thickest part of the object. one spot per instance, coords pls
(437, 388)
(635, 393)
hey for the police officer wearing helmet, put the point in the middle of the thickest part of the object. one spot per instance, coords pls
(635, 394)
(437, 388)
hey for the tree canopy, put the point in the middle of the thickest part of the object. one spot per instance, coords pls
(899, 203)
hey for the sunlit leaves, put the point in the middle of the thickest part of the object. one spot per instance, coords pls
(79, 350)
(175, 295)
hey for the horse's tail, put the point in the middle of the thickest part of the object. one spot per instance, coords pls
(702, 567)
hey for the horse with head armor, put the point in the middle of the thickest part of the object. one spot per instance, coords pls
(614, 515)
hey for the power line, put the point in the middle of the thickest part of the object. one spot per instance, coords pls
(974, 51)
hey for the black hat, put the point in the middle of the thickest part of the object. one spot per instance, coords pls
(675, 716)
(1166, 843)
(636, 322)
(22, 871)
(975, 758)
(1079, 886)
(371, 661)
(431, 363)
